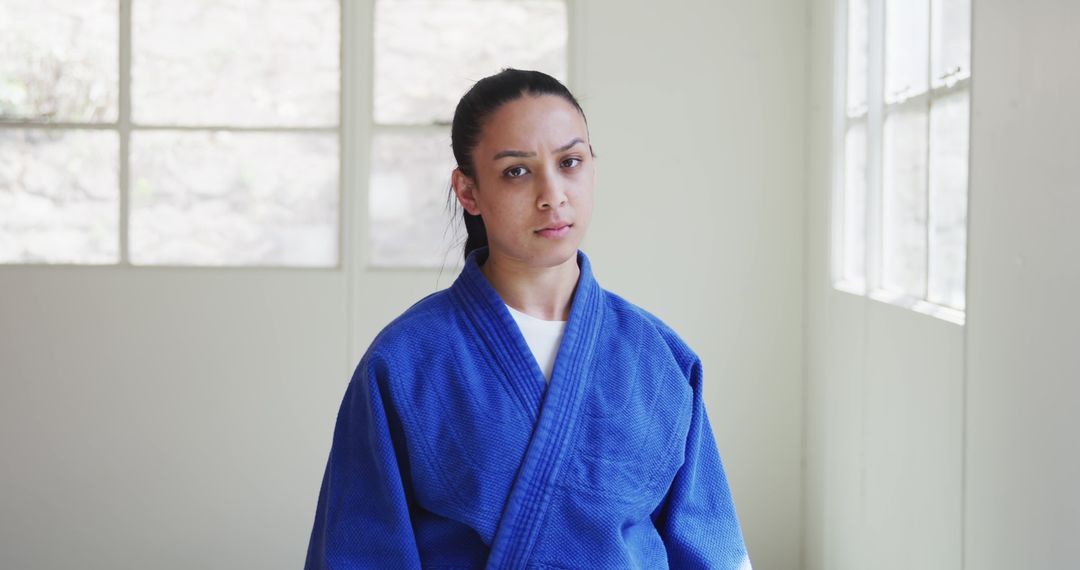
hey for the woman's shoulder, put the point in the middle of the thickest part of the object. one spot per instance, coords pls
(425, 321)
(630, 315)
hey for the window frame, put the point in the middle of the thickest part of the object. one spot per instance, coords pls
(376, 129)
(874, 115)
(124, 127)
(355, 129)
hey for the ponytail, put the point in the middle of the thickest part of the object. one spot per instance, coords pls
(477, 233)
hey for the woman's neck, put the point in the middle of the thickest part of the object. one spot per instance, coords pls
(542, 292)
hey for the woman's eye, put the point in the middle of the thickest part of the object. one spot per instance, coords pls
(571, 162)
(515, 172)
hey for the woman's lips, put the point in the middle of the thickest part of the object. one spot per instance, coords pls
(555, 233)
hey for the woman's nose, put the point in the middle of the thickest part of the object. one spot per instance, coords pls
(551, 193)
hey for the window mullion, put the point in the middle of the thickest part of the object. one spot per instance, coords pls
(419, 128)
(874, 128)
(912, 101)
(953, 87)
(131, 126)
(124, 126)
(344, 61)
(840, 122)
(926, 173)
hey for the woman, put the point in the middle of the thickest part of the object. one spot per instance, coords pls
(464, 441)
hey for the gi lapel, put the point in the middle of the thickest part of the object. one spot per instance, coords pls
(524, 379)
(530, 495)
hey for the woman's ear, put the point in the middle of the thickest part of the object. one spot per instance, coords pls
(465, 190)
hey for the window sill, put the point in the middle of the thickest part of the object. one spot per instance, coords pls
(922, 306)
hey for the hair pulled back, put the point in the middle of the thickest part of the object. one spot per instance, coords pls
(474, 109)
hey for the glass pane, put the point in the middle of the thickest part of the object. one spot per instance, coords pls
(858, 56)
(854, 225)
(226, 198)
(411, 224)
(59, 197)
(904, 202)
(58, 60)
(429, 52)
(951, 43)
(948, 198)
(235, 62)
(907, 48)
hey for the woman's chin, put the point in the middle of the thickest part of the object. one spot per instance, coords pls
(542, 252)
(555, 254)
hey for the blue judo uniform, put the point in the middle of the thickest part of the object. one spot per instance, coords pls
(452, 451)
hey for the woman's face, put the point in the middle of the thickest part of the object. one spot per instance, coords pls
(534, 180)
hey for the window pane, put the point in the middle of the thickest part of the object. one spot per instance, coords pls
(858, 55)
(904, 202)
(235, 62)
(410, 184)
(429, 52)
(58, 60)
(854, 224)
(907, 48)
(948, 198)
(225, 198)
(59, 197)
(951, 43)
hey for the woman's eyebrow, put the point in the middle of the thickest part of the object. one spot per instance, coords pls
(523, 154)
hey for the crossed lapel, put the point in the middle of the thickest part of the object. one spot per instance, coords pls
(500, 335)
(553, 406)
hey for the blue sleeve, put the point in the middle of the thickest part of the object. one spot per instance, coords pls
(697, 519)
(362, 518)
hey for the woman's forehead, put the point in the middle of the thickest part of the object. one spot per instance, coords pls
(546, 121)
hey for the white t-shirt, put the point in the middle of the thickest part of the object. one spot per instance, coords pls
(543, 338)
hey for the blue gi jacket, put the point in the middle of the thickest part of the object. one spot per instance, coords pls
(452, 451)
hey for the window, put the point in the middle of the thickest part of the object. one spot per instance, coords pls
(900, 215)
(153, 132)
(208, 133)
(427, 54)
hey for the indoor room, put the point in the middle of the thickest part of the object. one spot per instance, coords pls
(268, 300)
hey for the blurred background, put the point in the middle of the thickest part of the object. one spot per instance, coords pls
(860, 213)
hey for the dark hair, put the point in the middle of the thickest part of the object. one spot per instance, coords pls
(475, 107)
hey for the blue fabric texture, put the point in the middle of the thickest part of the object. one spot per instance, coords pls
(452, 451)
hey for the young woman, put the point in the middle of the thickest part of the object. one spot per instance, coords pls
(525, 417)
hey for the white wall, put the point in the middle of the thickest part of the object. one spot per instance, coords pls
(1023, 343)
(959, 441)
(161, 418)
(696, 114)
(180, 418)
(884, 388)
